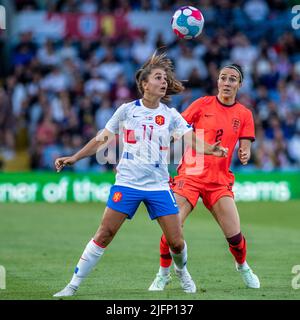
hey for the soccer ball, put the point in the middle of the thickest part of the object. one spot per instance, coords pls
(187, 22)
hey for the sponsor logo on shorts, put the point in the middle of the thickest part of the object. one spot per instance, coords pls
(117, 196)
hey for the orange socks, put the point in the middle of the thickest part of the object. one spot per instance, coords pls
(238, 247)
(165, 256)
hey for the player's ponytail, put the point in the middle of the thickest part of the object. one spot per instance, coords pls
(159, 61)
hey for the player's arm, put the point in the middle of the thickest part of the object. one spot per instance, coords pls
(244, 152)
(95, 144)
(203, 147)
(192, 113)
(191, 138)
(247, 136)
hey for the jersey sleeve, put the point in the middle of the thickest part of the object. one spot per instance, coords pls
(193, 111)
(179, 125)
(114, 123)
(248, 131)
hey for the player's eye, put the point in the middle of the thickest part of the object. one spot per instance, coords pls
(233, 80)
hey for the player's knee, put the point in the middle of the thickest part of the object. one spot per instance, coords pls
(104, 236)
(176, 245)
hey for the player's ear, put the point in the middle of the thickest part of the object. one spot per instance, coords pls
(144, 84)
(218, 82)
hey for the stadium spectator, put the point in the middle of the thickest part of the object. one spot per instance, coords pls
(103, 114)
(256, 10)
(96, 84)
(243, 52)
(47, 55)
(25, 50)
(110, 69)
(142, 48)
(187, 62)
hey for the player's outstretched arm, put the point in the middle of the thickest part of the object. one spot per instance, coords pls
(203, 147)
(215, 149)
(95, 144)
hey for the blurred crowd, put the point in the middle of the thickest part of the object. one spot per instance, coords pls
(59, 94)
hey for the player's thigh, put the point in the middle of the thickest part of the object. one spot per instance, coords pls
(226, 214)
(185, 207)
(109, 226)
(171, 227)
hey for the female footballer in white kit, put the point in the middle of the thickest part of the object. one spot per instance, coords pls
(142, 173)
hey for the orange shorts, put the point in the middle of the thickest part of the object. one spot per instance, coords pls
(209, 192)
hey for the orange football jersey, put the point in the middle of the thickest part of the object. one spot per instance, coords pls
(222, 123)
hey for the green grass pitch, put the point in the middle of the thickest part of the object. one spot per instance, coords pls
(40, 245)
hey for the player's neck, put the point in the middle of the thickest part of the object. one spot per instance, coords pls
(226, 100)
(151, 102)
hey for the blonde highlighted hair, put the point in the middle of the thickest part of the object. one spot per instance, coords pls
(159, 61)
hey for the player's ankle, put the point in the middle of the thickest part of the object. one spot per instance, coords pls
(164, 271)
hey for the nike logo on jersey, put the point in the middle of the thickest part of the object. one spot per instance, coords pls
(134, 116)
(208, 115)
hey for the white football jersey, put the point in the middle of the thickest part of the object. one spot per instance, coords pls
(146, 135)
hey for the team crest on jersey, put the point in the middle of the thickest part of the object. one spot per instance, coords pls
(236, 124)
(117, 196)
(160, 120)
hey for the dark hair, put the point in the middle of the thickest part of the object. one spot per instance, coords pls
(238, 68)
(159, 61)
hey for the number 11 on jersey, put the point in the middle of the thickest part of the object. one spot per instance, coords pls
(145, 129)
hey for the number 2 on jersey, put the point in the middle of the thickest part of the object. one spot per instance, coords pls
(219, 135)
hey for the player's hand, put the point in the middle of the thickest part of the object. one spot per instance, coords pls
(219, 151)
(60, 163)
(244, 156)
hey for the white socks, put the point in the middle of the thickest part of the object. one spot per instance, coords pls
(91, 255)
(243, 266)
(180, 259)
(164, 271)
